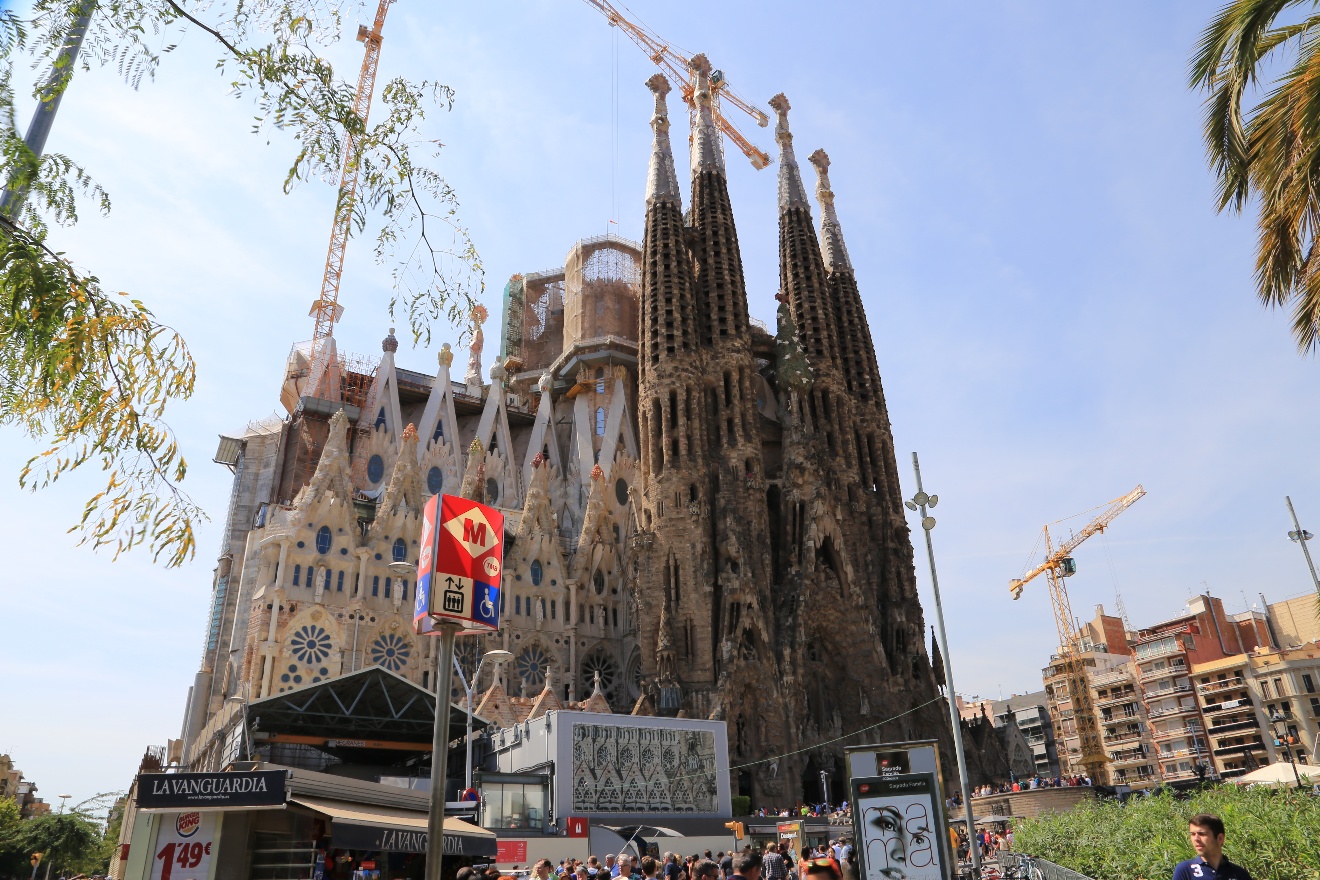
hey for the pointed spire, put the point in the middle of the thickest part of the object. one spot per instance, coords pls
(405, 486)
(661, 180)
(706, 147)
(474, 475)
(832, 247)
(937, 660)
(792, 194)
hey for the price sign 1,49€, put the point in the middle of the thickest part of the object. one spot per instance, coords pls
(460, 565)
(184, 845)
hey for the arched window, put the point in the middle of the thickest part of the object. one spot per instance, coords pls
(600, 421)
(323, 539)
(537, 573)
(439, 431)
(400, 552)
(598, 581)
(325, 582)
(339, 583)
(600, 380)
(435, 480)
(375, 469)
(375, 585)
(387, 588)
(403, 589)
(517, 604)
(297, 574)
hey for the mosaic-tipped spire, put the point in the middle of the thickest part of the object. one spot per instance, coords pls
(706, 151)
(661, 180)
(832, 247)
(792, 194)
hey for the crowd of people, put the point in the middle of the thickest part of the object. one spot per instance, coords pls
(1032, 783)
(988, 841)
(806, 811)
(833, 861)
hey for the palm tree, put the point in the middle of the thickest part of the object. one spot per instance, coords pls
(1270, 150)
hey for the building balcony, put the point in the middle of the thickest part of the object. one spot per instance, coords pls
(1186, 730)
(1128, 758)
(1113, 699)
(1238, 749)
(1179, 775)
(1166, 672)
(1235, 706)
(1168, 691)
(1250, 724)
(1173, 710)
(1215, 687)
(1182, 753)
(1121, 676)
(1155, 651)
(1130, 736)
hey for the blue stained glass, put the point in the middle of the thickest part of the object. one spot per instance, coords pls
(323, 539)
(400, 551)
(537, 572)
(375, 469)
(339, 583)
(435, 480)
(297, 574)
(375, 585)
(310, 644)
(380, 418)
(387, 588)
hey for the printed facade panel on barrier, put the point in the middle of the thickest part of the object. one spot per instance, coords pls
(619, 769)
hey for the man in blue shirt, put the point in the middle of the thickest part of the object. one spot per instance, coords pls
(1207, 833)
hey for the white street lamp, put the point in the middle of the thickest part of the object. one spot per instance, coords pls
(921, 501)
(1300, 535)
(496, 658)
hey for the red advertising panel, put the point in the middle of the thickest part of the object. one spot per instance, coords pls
(511, 852)
(579, 826)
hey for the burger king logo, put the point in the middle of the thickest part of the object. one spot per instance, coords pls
(187, 824)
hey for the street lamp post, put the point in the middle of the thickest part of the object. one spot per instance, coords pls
(921, 501)
(1281, 739)
(1301, 536)
(495, 658)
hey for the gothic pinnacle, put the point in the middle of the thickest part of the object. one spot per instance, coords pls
(706, 152)
(834, 251)
(792, 194)
(661, 180)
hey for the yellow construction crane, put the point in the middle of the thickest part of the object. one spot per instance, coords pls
(679, 69)
(1059, 564)
(326, 309)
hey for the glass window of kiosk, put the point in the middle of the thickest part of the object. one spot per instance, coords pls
(293, 845)
(520, 805)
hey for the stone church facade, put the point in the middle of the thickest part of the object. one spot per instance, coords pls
(703, 518)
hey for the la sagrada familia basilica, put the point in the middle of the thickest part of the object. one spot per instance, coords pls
(703, 516)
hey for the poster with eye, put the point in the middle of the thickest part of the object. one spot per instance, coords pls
(899, 828)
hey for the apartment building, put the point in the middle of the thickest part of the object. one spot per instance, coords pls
(1032, 715)
(1125, 730)
(1235, 723)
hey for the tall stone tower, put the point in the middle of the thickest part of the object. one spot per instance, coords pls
(675, 547)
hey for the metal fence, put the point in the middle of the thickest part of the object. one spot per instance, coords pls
(1048, 869)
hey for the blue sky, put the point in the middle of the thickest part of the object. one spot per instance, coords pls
(1058, 312)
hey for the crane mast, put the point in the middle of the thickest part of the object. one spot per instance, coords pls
(326, 309)
(1057, 565)
(676, 66)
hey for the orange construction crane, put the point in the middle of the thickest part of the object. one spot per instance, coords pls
(1059, 564)
(678, 69)
(326, 309)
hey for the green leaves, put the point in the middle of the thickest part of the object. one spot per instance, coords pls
(1271, 833)
(1271, 149)
(90, 373)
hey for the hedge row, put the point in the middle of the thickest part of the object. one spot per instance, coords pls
(1274, 834)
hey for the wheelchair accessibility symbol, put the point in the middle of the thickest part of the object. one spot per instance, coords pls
(487, 606)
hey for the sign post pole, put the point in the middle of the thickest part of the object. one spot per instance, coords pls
(444, 672)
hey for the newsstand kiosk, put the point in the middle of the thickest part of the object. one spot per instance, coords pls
(278, 823)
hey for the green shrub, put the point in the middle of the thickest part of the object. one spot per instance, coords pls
(742, 805)
(1272, 833)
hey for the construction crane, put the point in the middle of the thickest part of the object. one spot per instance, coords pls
(326, 309)
(1059, 564)
(679, 70)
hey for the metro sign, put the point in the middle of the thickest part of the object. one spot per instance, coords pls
(460, 565)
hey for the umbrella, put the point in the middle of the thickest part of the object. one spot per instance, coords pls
(1280, 773)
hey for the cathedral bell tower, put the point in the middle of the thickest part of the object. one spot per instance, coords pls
(674, 547)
